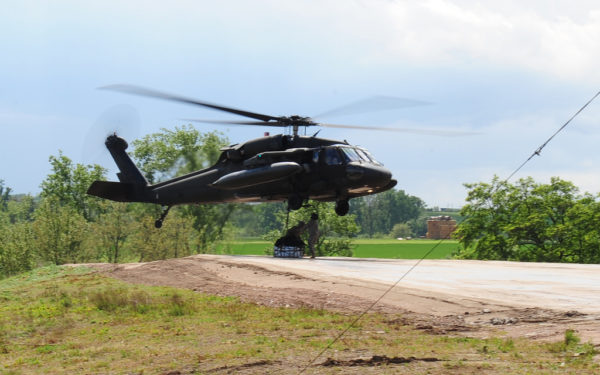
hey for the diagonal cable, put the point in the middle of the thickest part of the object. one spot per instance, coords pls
(538, 151)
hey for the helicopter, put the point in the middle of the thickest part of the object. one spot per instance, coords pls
(273, 168)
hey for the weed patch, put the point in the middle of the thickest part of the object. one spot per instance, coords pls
(572, 349)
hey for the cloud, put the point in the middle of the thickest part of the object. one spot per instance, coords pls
(551, 39)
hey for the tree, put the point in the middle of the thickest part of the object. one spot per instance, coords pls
(68, 184)
(210, 223)
(401, 230)
(530, 221)
(172, 153)
(21, 208)
(4, 196)
(267, 215)
(59, 232)
(377, 214)
(16, 254)
(111, 230)
(16, 246)
(172, 240)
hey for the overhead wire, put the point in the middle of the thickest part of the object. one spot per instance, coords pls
(363, 313)
(538, 151)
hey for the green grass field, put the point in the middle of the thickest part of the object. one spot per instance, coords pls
(408, 249)
(363, 248)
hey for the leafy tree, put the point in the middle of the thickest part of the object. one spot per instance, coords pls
(379, 213)
(401, 230)
(21, 208)
(111, 230)
(530, 221)
(16, 253)
(258, 219)
(266, 215)
(69, 182)
(210, 223)
(4, 196)
(171, 153)
(59, 232)
(418, 226)
(172, 240)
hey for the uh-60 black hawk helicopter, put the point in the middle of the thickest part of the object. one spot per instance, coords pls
(292, 168)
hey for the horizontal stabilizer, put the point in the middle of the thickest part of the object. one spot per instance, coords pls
(115, 191)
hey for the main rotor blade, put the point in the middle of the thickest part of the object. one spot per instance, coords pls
(373, 104)
(225, 122)
(142, 91)
(444, 133)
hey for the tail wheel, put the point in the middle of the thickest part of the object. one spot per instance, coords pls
(342, 207)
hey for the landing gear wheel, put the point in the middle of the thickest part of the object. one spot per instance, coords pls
(294, 202)
(158, 224)
(342, 207)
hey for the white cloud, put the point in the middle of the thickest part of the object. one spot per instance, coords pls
(559, 42)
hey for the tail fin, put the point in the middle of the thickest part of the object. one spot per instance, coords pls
(129, 173)
(132, 187)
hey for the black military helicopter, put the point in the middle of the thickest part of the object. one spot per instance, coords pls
(292, 168)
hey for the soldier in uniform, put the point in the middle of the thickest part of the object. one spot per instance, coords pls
(313, 233)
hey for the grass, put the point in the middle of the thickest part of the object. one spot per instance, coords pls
(407, 249)
(245, 247)
(363, 248)
(71, 320)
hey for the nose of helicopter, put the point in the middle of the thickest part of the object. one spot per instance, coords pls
(369, 175)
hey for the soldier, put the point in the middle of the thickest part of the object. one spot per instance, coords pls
(296, 230)
(313, 233)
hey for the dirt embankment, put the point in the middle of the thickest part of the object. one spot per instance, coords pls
(428, 310)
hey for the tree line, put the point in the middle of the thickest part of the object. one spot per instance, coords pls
(530, 221)
(65, 225)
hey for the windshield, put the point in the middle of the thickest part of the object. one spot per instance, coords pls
(371, 157)
(358, 155)
(350, 154)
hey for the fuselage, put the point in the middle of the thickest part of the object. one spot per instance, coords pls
(272, 168)
(325, 172)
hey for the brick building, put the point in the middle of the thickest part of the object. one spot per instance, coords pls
(439, 227)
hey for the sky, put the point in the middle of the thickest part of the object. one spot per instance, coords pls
(512, 71)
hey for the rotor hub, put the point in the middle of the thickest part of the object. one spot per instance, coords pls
(296, 122)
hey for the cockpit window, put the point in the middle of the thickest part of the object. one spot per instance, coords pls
(350, 155)
(315, 157)
(362, 154)
(368, 154)
(344, 154)
(332, 157)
